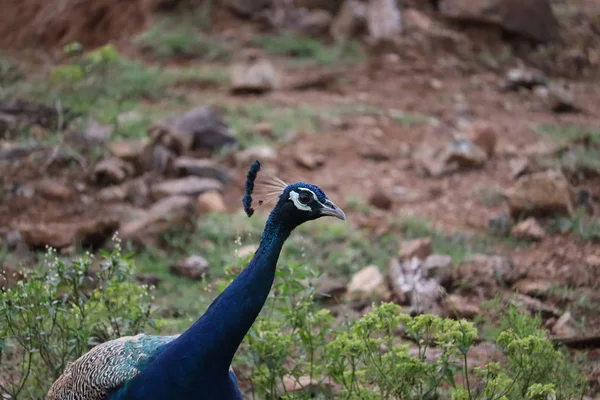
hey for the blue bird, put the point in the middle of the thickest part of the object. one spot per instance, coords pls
(197, 364)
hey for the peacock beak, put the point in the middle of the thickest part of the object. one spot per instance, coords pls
(330, 209)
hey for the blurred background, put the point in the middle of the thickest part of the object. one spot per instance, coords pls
(461, 138)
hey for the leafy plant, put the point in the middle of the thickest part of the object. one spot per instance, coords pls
(298, 351)
(59, 312)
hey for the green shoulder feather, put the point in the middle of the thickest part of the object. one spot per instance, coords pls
(105, 367)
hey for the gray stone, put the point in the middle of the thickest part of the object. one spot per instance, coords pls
(198, 129)
(203, 168)
(162, 216)
(256, 74)
(112, 170)
(193, 267)
(189, 186)
(533, 19)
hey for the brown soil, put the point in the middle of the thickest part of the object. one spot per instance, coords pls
(42, 23)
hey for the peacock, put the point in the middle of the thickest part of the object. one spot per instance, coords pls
(197, 363)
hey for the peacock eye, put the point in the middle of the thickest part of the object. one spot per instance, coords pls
(305, 198)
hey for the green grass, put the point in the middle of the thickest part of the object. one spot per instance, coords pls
(409, 120)
(583, 155)
(178, 38)
(9, 72)
(199, 77)
(563, 134)
(301, 118)
(242, 118)
(304, 49)
(580, 224)
(457, 245)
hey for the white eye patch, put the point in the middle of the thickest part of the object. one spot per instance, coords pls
(295, 197)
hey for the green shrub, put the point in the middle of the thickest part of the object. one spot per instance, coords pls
(59, 312)
(295, 341)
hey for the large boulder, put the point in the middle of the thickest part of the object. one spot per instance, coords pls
(533, 19)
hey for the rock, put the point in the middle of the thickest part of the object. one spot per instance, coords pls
(263, 153)
(149, 280)
(111, 171)
(368, 283)
(52, 189)
(330, 287)
(557, 99)
(129, 150)
(309, 161)
(9, 276)
(419, 248)
(314, 23)
(125, 212)
(210, 202)
(465, 154)
(193, 267)
(200, 128)
(411, 285)
(203, 168)
(189, 186)
(11, 151)
(135, 191)
(415, 20)
(460, 307)
(95, 133)
(518, 167)
(380, 199)
(480, 272)
(407, 196)
(384, 21)
(460, 154)
(534, 306)
(264, 129)
(533, 287)
(485, 137)
(255, 74)
(521, 77)
(246, 9)
(89, 233)
(350, 20)
(542, 193)
(593, 261)
(563, 327)
(533, 19)
(529, 229)
(163, 215)
(375, 153)
(436, 263)
(159, 158)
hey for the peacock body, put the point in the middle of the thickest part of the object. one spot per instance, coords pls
(197, 364)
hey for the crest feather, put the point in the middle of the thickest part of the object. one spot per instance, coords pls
(262, 188)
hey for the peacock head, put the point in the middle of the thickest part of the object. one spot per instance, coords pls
(296, 203)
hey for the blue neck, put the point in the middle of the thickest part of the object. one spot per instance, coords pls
(201, 356)
(219, 332)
